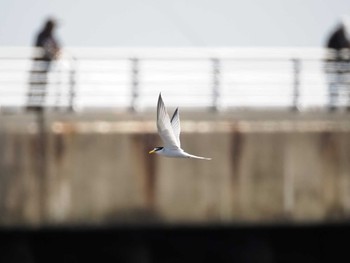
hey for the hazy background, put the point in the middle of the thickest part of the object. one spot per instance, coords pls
(159, 23)
(77, 183)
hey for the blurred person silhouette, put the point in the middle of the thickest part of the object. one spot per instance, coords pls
(50, 49)
(338, 63)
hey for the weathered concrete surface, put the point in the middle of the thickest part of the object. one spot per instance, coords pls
(95, 169)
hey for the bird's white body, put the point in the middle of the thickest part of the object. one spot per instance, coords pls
(169, 131)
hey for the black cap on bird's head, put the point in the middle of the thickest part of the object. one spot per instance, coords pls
(156, 149)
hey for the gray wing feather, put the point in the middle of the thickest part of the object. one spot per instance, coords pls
(165, 128)
(175, 124)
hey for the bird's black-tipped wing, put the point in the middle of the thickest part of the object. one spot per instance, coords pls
(165, 127)
(175, 124)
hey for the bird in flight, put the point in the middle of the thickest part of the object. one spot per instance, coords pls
(169, 132)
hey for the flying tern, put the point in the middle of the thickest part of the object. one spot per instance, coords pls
(169, 132)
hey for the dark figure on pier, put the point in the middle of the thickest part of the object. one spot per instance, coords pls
(338, 65)
(50, 49)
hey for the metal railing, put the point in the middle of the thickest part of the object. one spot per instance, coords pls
(217, 78)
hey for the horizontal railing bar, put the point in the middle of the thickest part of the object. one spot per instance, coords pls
(213, 76)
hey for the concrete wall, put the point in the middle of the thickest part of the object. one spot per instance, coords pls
(70, 174)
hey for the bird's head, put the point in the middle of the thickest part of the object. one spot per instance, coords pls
(156, 150)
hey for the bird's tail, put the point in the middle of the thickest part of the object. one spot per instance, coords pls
(198, 157)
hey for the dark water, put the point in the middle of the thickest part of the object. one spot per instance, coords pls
(306, 243)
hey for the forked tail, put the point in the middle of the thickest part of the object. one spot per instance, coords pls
(198, 157)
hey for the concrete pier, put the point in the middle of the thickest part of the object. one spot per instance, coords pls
(94, 169)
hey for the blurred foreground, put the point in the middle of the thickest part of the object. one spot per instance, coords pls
(244, 244)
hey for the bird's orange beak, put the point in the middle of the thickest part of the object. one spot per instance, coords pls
(152, 151)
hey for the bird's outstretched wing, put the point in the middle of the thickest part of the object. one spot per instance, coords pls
(175, 124)
(165, 128)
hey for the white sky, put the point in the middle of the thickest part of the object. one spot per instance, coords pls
(174, 23)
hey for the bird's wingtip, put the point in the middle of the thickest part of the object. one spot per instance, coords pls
(160, 97)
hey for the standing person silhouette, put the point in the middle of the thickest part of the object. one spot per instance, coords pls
(50, 49)
(338, 66)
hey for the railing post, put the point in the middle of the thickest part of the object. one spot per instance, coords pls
(134, 83)
(216, 66)
(72, 83)
(60, 74)
(296, 84)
